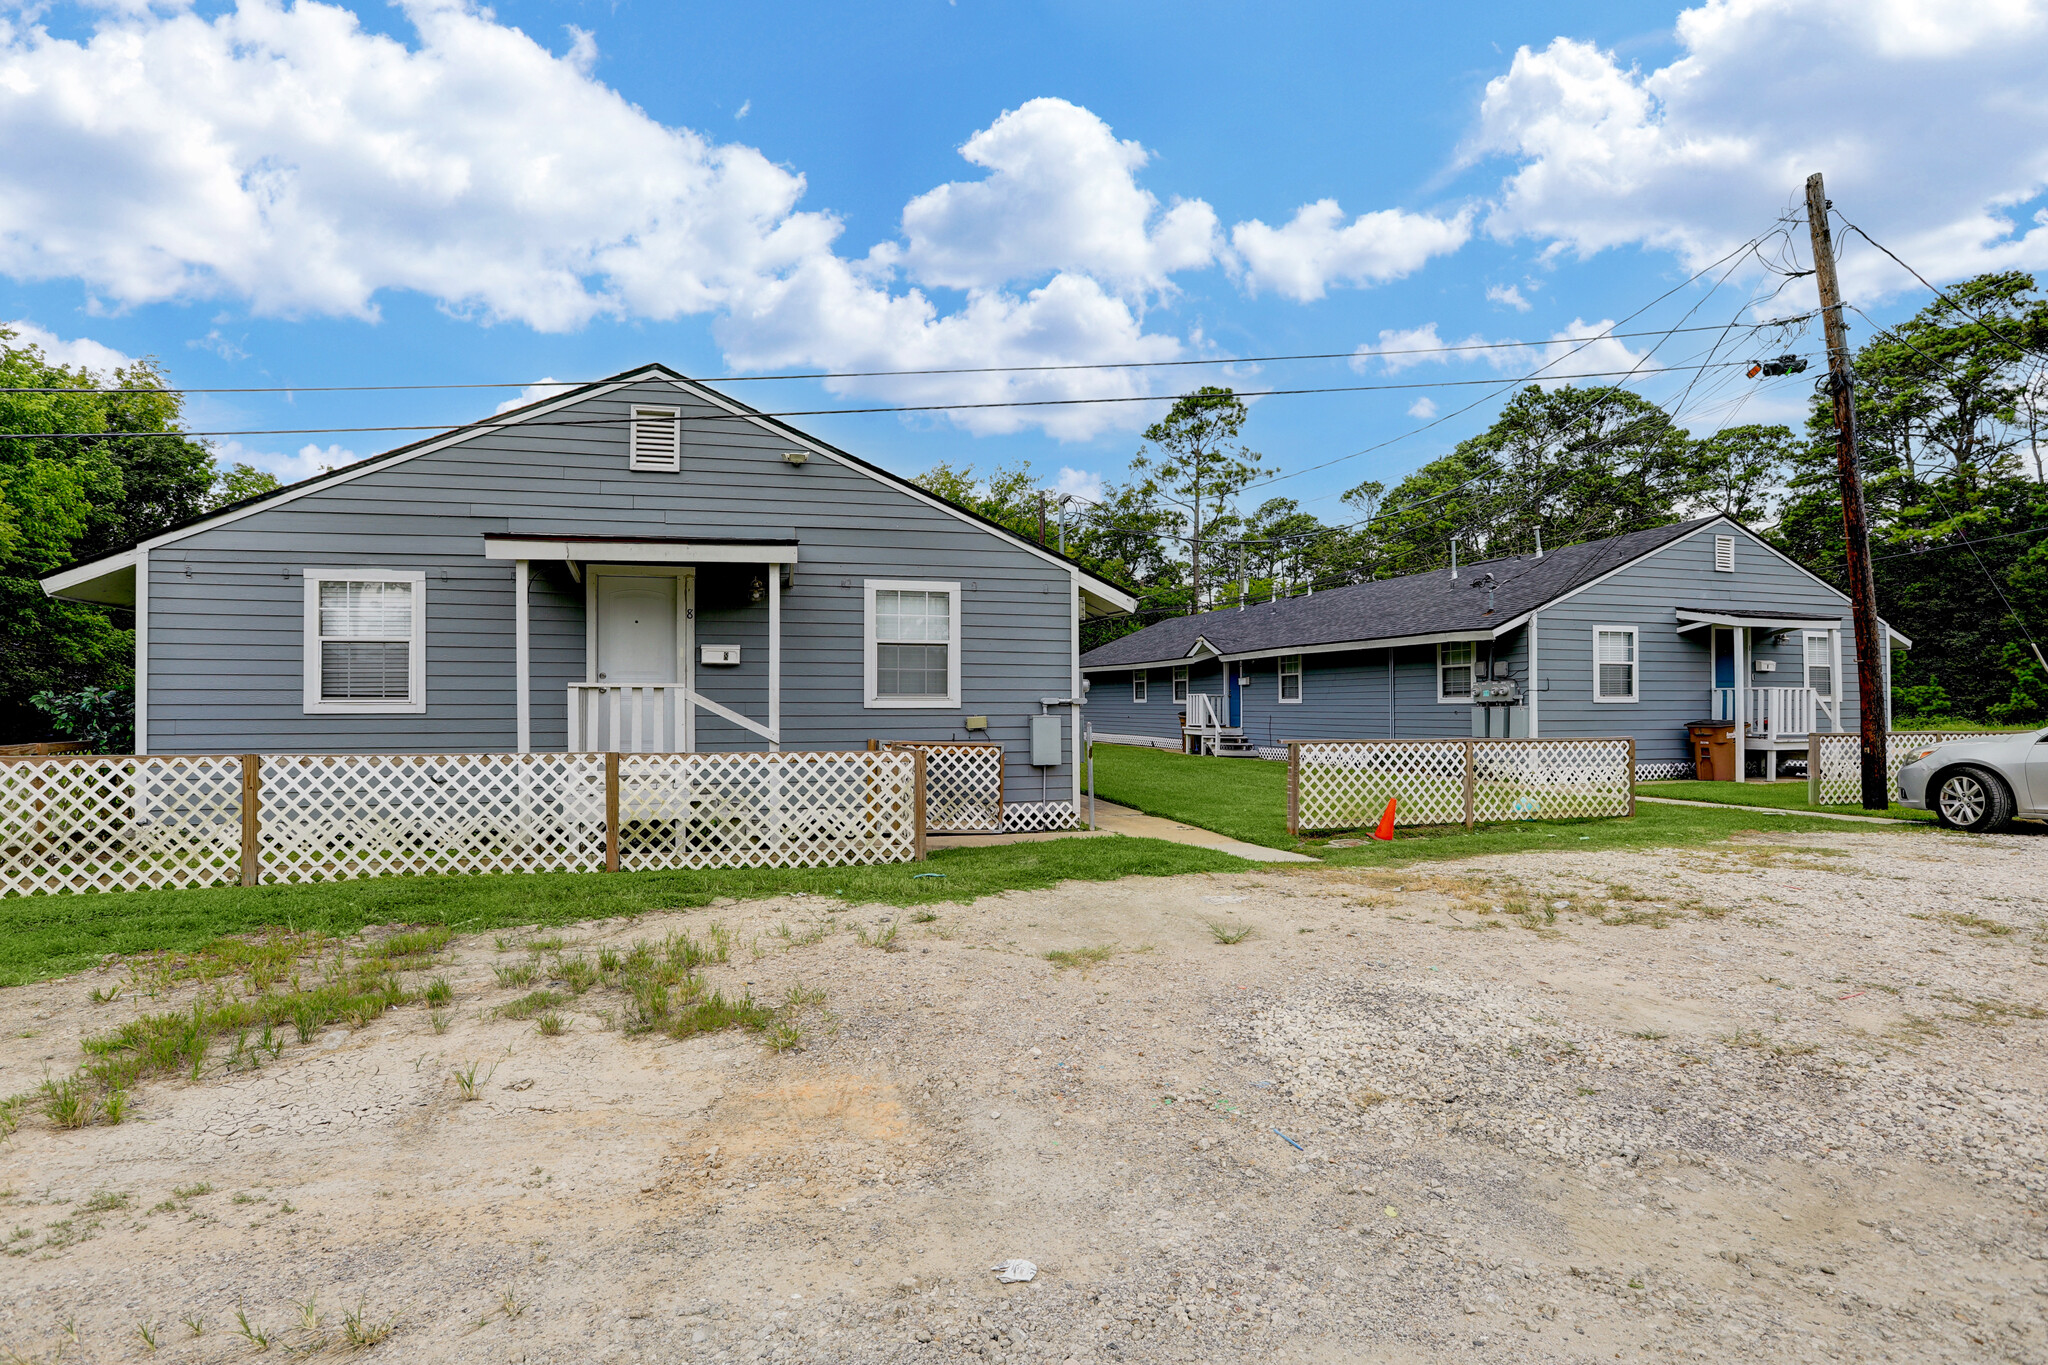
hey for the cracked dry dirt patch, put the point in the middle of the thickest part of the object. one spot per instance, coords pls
(1775, 1100)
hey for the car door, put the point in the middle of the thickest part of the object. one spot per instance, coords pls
(2037, 772)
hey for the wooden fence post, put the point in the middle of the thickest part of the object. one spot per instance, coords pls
(611, 811)
(1631, 776)
(252, 817)
(1813, 769)
(917, 799)
(1294, 789)
(1471, 783)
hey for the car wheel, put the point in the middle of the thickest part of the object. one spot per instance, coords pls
(1971, 799)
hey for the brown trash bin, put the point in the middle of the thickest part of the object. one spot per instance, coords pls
(1712, 746)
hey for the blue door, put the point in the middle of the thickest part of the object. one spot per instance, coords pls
(1724, 658)
(1234, 685)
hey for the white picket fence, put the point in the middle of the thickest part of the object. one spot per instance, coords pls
(1834, 763)
(113, 823)
(1345, 784)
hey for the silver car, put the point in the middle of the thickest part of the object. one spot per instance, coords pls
(1979, 784)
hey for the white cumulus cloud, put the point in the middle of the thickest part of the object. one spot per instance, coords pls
(1317, 248)
(1061, 194)
(1081, 483)
(1925, 115)
(1509, 296)
(532, 393)
(310, 460)
(1424, 408)
(82, 352)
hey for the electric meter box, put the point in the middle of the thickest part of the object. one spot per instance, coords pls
(1496, 692)
(1045, 741)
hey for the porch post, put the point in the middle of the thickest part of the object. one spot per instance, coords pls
(775, 658)
(1740, 639)
(521, 668)
(1835, 672)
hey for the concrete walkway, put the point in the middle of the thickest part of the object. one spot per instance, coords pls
(1780, 810)
(1114, 819)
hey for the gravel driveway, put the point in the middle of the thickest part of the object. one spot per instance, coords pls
(1780, 1099)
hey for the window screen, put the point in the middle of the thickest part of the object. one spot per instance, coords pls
(913, 632)
(1290, 677)
(1454, 669)
(1180, 683)
(366, 632)
(1615, 662)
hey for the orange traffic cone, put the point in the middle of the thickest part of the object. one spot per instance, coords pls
(1386, 829)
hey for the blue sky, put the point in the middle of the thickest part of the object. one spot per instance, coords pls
(434, 193)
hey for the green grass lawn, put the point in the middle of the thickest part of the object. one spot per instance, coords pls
(1779, 795)
(1247, 799)
(42, 936)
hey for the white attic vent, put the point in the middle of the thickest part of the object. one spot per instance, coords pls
(656, 443)
(1724, 554)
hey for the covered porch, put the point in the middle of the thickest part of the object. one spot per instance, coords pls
(1775, 677)
(645, 603)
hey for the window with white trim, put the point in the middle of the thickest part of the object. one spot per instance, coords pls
(1614, 663)
(1180, 682)
(1454, 670)
(656, 443)
(1724, 554)
(1139, 680)
(365, 641)
(1290, 677)
(912, 653)
(1820, 664)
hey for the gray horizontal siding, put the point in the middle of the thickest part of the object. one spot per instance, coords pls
(227, 603)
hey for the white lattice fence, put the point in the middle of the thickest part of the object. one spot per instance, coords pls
(963, 784)
(119, 823)
(330, 817)
(1342, 784)
(1835, 762)
(1552, 779)
(767, 810)
(1025, 817)
(1345, 784)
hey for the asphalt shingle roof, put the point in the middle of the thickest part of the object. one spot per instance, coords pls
(1390, 608)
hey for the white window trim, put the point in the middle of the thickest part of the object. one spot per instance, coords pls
(1724, 549)
(1806, 638)
(1472, 664)
(416, 657)
(1635, 672)
(1141, 686)
(1280, 681)
(872, 700)
(1180, 684)
(673, 416)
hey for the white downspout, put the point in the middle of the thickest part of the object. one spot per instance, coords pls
(142, 651)
(521, 667)
(1740, 635)
(775, 658)
(1535, 680)
(1074, 677)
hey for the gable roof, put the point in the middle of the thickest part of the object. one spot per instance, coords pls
(86, 573)
(1416, 608)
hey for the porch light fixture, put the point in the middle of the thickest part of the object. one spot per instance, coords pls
(796, 457)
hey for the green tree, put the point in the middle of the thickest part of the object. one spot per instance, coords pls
(81, 472)
(1195, 465)
(1948, 441)
(1571, 464)
(1744, 469)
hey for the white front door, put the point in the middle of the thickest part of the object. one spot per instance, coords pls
(636, 629)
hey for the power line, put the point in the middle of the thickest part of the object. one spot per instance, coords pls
(532, 423)
(1354, 354)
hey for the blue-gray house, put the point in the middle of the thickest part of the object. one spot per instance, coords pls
(1635, 635)
(640, 565)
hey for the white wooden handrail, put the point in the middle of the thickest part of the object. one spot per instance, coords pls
(1770, 712)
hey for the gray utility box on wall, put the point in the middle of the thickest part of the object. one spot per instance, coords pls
(1045, 741)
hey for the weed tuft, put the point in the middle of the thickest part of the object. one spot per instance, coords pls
(469, 1084)
(1063, 958)
(361, 1331)
(550, 1024)
(1236, 933)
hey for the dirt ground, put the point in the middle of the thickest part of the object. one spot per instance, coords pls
(1781, 1100)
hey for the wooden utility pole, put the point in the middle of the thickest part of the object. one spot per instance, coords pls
(1870, 634)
